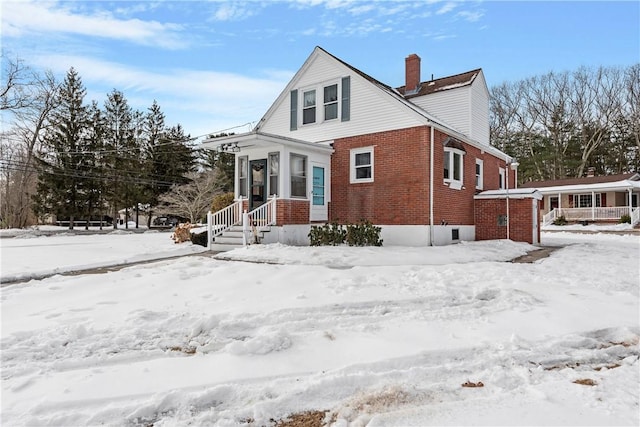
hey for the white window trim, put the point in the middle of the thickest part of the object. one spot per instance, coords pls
(455, 183)
(352, 164)
(502, 173)
(319, 88)
(480, 178)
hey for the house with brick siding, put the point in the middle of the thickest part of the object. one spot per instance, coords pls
(339, 145)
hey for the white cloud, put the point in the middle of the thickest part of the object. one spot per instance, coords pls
(446, 8)
(235, 11)
(473, 16)
(202, 101)
(28, 17)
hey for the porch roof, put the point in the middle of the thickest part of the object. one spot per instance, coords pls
(623, 185)
(513, 193)
(257, 138)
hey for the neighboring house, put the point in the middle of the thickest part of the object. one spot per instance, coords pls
(590, 199)
(338, 145)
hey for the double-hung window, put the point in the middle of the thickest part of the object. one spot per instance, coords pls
(479, 174)
(361, 165)
(331, 102)
(298, 169)
(274, 171)
(309, 107)
(453, 167)
(501, 178)
(242, 176)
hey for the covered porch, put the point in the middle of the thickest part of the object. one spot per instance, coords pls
(281, 186)
(600, 203)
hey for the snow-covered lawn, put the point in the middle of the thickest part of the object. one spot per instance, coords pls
(375, 336)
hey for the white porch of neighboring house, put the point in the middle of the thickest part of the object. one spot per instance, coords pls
(281, 186)
(602, 202)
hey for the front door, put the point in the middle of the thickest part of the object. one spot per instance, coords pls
(258, 187)
(319, 195)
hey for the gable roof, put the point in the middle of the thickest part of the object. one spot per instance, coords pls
(444, 83)
(467, 77)
(582, 181)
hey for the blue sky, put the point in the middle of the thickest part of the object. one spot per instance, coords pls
(216, 65)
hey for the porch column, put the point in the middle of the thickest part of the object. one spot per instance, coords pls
(630, 202)
(559, 204)
(593, 205)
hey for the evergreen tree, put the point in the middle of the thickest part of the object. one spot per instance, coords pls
(221, 162)
(94, 167)
(60, 187)
(122, 159)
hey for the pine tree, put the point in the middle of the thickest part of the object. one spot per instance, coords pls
(60, 188)
(122, 159)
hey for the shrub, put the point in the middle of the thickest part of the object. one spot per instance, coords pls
(561, 220)
(363, 234)
(333, 234)
(221, 201)
(625, 219)
(199, 238)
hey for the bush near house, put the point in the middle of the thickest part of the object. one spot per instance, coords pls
(199, 238)
(561, 220)
(362, 233)
(221, 201)
(625, 219)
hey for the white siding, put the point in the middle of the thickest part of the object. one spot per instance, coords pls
(480, 111)
(372, 110)
(452, 106)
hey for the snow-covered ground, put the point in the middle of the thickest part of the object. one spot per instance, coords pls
(375, 336)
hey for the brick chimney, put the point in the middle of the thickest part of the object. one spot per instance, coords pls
(412, 73)
(591, 172)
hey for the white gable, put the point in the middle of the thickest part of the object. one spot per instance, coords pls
(372, 109)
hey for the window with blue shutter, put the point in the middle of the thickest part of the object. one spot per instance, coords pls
(294, 110)
(346, 95)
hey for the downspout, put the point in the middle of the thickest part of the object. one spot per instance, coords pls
(431, 187)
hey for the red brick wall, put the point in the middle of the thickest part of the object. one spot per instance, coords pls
(400, 191)
(520, 221)
(290, 211)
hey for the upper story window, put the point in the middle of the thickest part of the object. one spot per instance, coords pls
(309, 107)
(361, 165)
(479, 174)
(331, 102)
(319, 103)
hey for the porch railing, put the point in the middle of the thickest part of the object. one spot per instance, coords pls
(635, 217)
(587, 214)
(224, 219)
(549, 217)
(264, 215)
(259, 220)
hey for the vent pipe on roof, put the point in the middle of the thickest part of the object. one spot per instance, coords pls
(412, 73)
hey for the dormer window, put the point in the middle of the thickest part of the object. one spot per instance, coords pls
(309, 107)
(331, 102)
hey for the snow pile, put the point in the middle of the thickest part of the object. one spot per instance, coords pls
(385, 336)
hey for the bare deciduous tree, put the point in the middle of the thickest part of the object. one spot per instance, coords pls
(28, 99)
(192, 200)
